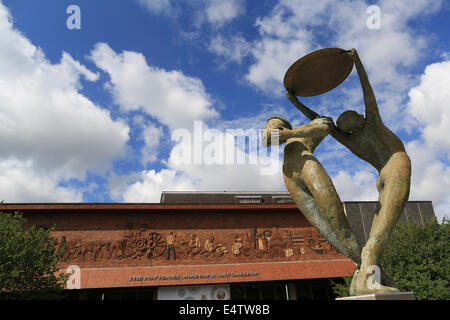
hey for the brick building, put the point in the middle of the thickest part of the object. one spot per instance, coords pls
(201, 245)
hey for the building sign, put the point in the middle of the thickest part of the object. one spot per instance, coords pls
(222, 275)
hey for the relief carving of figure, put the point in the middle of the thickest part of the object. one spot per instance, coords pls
(136, 245)
(237, 246)
(72, 248)
(210, 248)
(194, 246)
(95, 247)
(117, 249)
(277, 244)
(170, 239)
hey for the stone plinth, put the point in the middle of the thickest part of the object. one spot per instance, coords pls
(383, 296)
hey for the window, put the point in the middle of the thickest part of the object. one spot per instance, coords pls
(258, 291)
(248, 199)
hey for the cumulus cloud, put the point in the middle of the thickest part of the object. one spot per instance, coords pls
(274, 56)
(294, 28)
(360, 186)
(151, 134)
(220, 12)
(48, 130)
(429, 105)
(174, 99)
(233, 49)
(157, 6)
(430, 177)
(152, 183)
(210, 159)
(216, 12)
(20, 182)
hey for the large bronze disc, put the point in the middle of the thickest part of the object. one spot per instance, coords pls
(318, 72)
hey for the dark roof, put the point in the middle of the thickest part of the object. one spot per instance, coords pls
(225, 197)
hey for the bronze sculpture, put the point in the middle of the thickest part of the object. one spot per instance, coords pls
(311, 188)
(308, 182)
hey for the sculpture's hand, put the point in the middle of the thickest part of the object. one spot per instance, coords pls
(351, 53)
(291, 95)
(324, 121)
(284, 134)
(275, 136)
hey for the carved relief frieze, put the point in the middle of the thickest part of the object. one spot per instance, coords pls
(183, 246)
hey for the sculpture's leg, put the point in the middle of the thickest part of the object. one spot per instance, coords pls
(322, 189)
(315, 195)
(308, 206)
(393, 186)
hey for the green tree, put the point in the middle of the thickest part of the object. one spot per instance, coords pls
(28, 259)
(418, 259)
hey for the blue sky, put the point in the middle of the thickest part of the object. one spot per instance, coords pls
(87, 115)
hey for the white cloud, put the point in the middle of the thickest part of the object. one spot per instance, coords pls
(48, 129)
(151, 135)
(157, 6)
(274, 56)
(19, 182)
(360, 186)
(152, 183)
(296, 27)
(173, 98)
(430, 105)
(430, 179)
(222, 164)
(220, 12)
(244, 177)
(216, 12)
(233, 49)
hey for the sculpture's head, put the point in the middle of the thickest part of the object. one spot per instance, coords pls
(274, 123)
(277, 123)
(350, 121)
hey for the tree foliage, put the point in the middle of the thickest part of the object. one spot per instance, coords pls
(418, 259)
(28, 259)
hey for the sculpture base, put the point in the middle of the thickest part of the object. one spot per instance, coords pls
(383, 296)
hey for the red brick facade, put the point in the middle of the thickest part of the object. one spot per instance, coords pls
(123, 245)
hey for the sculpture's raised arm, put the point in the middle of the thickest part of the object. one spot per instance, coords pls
(300, 106)
(372, 112)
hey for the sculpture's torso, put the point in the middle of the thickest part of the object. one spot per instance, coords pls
(375, 143)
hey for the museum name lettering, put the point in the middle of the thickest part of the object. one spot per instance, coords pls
(197, 276)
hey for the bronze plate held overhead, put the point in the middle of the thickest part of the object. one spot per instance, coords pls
(318, 72)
